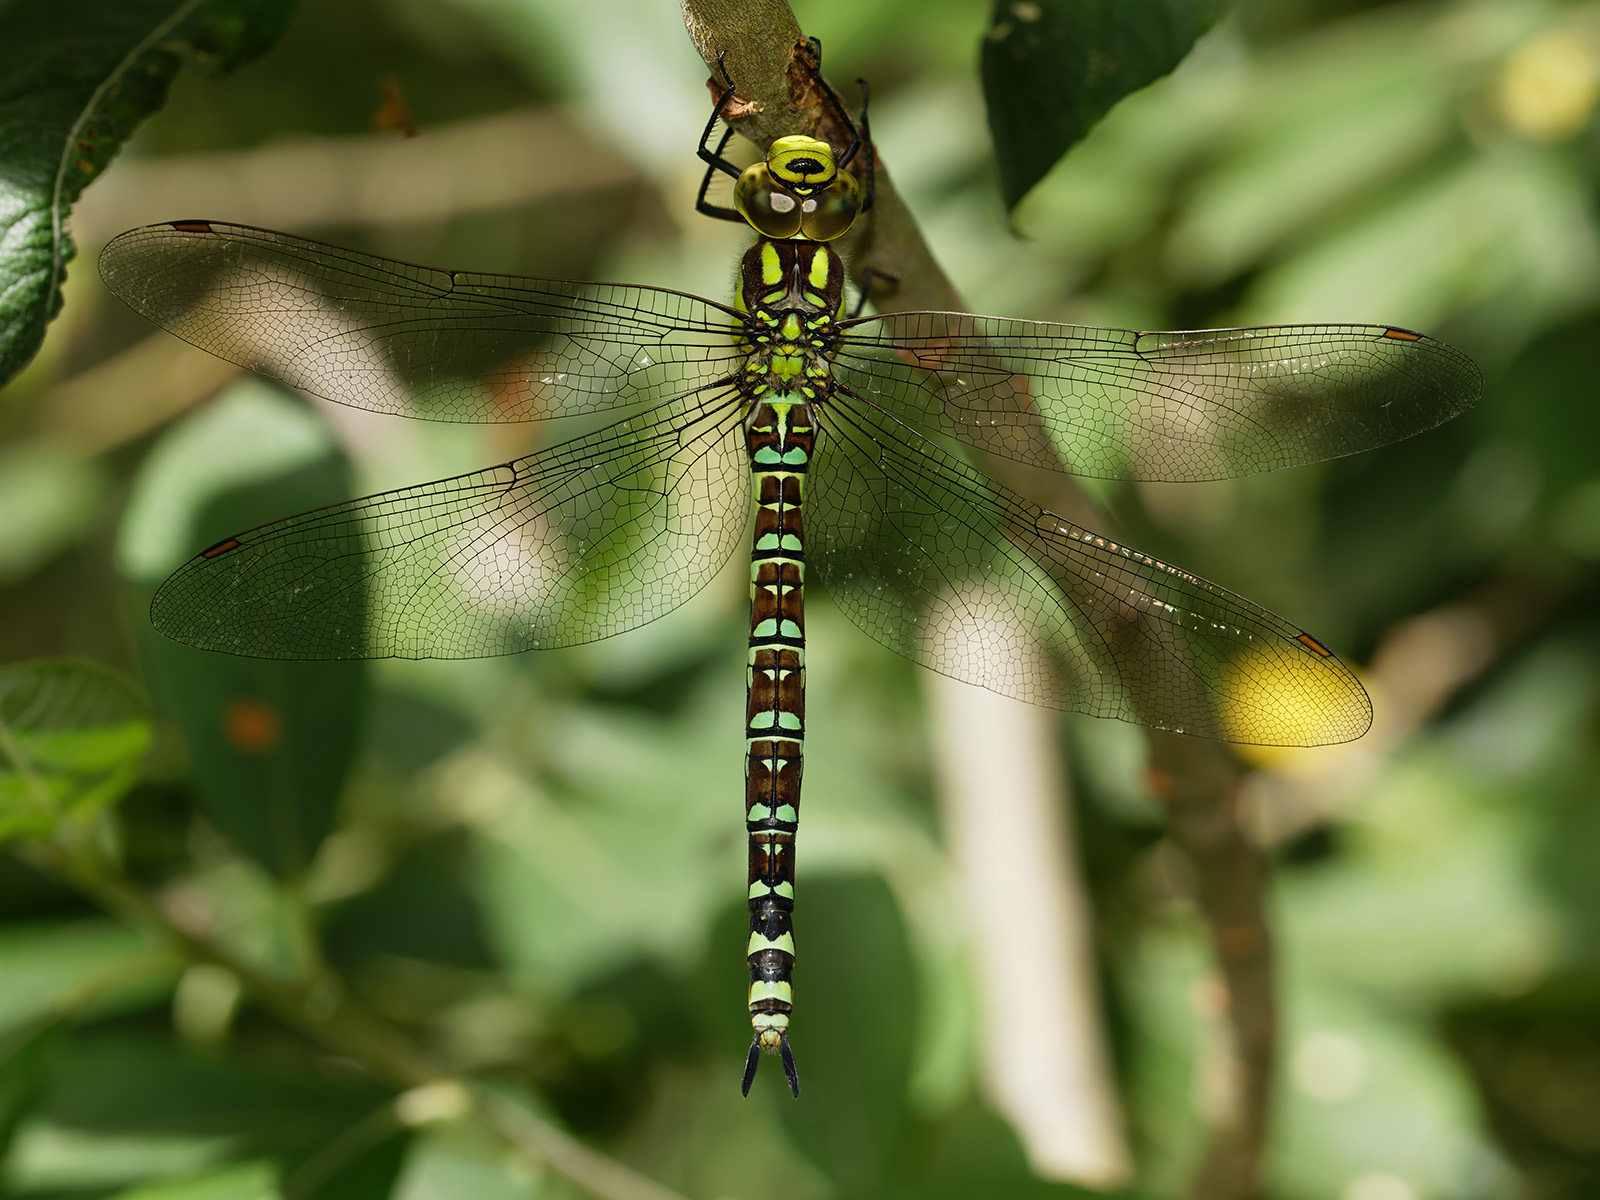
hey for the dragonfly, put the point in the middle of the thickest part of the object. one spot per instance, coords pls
(790, 403)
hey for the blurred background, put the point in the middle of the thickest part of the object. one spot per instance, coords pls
(534, 864)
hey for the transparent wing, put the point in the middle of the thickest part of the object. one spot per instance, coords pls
(1182, 406)
(589, 538)
(940, 564)
(418, 341)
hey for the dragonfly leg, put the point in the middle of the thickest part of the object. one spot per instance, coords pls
(870, 189)
(701, 204)
(860, 130)
(868, 276)
(714, 159)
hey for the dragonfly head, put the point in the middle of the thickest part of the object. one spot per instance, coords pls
(798, 191)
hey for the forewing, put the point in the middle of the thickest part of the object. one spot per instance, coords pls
(942, 565)
(1179, 406)
(589, 538)
(418, 341)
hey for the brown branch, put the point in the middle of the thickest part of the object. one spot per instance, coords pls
(1197, 783)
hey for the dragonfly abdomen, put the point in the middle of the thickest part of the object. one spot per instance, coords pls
(780, 437)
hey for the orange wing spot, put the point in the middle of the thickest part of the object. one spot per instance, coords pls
(1402, 335)
(1311, 643)
(191, 226)
(221, 547)
(252, 727)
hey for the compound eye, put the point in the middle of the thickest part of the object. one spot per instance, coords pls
(771, 211)
(831, 211)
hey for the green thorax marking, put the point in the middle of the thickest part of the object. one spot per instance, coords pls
(793, 295)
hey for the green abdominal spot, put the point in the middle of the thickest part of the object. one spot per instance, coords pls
(784, 942)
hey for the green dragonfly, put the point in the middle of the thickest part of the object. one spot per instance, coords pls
(787, 396)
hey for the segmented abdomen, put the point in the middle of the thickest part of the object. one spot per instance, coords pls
(780, 441)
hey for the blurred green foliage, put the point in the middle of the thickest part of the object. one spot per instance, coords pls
(76, 78)
(531, 865)
(73, 735)
(1052, 68)
(270, 743)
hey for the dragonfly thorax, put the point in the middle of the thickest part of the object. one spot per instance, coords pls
(792, 294)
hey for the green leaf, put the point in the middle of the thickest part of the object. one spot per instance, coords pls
(76, 78)
(562, 884)
(77, 968)
(50, 495)
(24, 1063)
(461, 1159)
(270, 742)
(46, 1157)
(71, 739)
(1052, 68)
(244, 1181)
(136, 1109)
